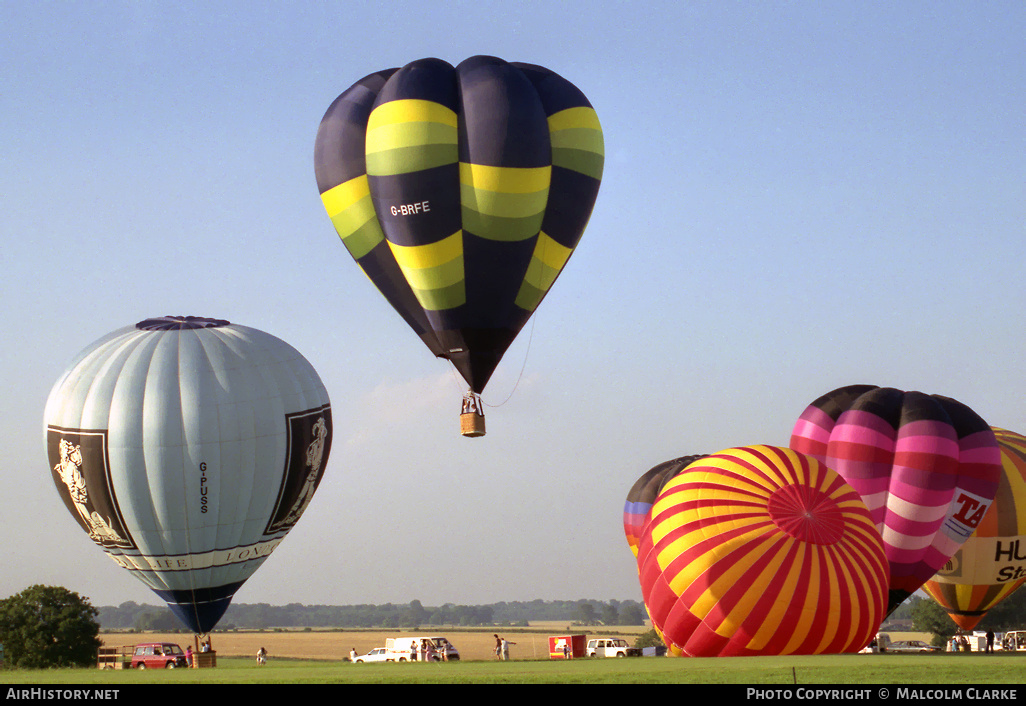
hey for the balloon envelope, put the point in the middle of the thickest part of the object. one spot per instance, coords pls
(461, 192)
(761, 550)
(926, 466)
(644, 492)
(187, 448)
(991, 565)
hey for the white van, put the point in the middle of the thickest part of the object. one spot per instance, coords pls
(880, 643)
(1014, 640)
(404, 649)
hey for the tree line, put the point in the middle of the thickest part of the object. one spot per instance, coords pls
(50, 626)
(261, 616)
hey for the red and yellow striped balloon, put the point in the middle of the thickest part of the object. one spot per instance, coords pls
(991, 564)
(761, 550)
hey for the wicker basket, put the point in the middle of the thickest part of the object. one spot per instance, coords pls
(472, 424)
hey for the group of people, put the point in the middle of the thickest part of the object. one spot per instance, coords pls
(960, 642)
(425, 651)
(204, 646)
(502, 647)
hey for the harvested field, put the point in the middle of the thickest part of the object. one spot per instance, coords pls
(531, 643)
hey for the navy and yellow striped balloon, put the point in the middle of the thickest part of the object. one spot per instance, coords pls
(461, 192)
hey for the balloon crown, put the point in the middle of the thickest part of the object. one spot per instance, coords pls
(170, 323)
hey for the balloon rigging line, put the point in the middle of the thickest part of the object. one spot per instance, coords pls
(527, 351)
(523, 367)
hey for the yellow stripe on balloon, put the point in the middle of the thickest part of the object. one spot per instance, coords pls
(507, 180)
(775, 618)
(341, 197)
(411, 110)
(574, 118)
(419, 257)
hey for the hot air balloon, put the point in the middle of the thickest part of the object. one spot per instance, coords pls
(461, 193)
(991, 565)
(927, 467)
(187, 448)
(644, 492)
(760, 550)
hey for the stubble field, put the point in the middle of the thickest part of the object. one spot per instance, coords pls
(474, 645)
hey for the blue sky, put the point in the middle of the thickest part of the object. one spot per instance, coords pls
(797, 196)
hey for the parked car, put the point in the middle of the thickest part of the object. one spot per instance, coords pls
(611, 647)
(158, 655)
(378, 654)
(912, 646)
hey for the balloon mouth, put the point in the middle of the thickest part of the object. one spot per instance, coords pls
(807, 514)
(172, 323)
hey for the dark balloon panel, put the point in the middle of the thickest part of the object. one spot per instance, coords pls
(461, 192)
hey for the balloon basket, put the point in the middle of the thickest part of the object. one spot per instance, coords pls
(471, 417)
(472, 424)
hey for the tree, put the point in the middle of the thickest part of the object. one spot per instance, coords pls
(632, 614)
(1009, 614)
(610, 614)
(415, 615)
(586, 614)
(927, 616)
(157, 621)
(649, 639)
(48, 626)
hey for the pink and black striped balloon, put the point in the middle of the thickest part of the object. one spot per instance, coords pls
(926, 466)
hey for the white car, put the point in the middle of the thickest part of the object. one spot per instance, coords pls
(378, 654)
(912, 646)
(611, 647)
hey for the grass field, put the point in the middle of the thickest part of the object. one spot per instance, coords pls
(317, 657)
(949, 669)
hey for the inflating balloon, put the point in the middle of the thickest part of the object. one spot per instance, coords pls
(926, 466)
(187, 448)
(760, 550)
(991, 565)
(461, 193)
(644, 492)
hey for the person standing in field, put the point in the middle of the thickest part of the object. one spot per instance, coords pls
(505, 648)
(498, 646)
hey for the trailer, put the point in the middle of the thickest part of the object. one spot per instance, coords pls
(566, 646)
(119, 657)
